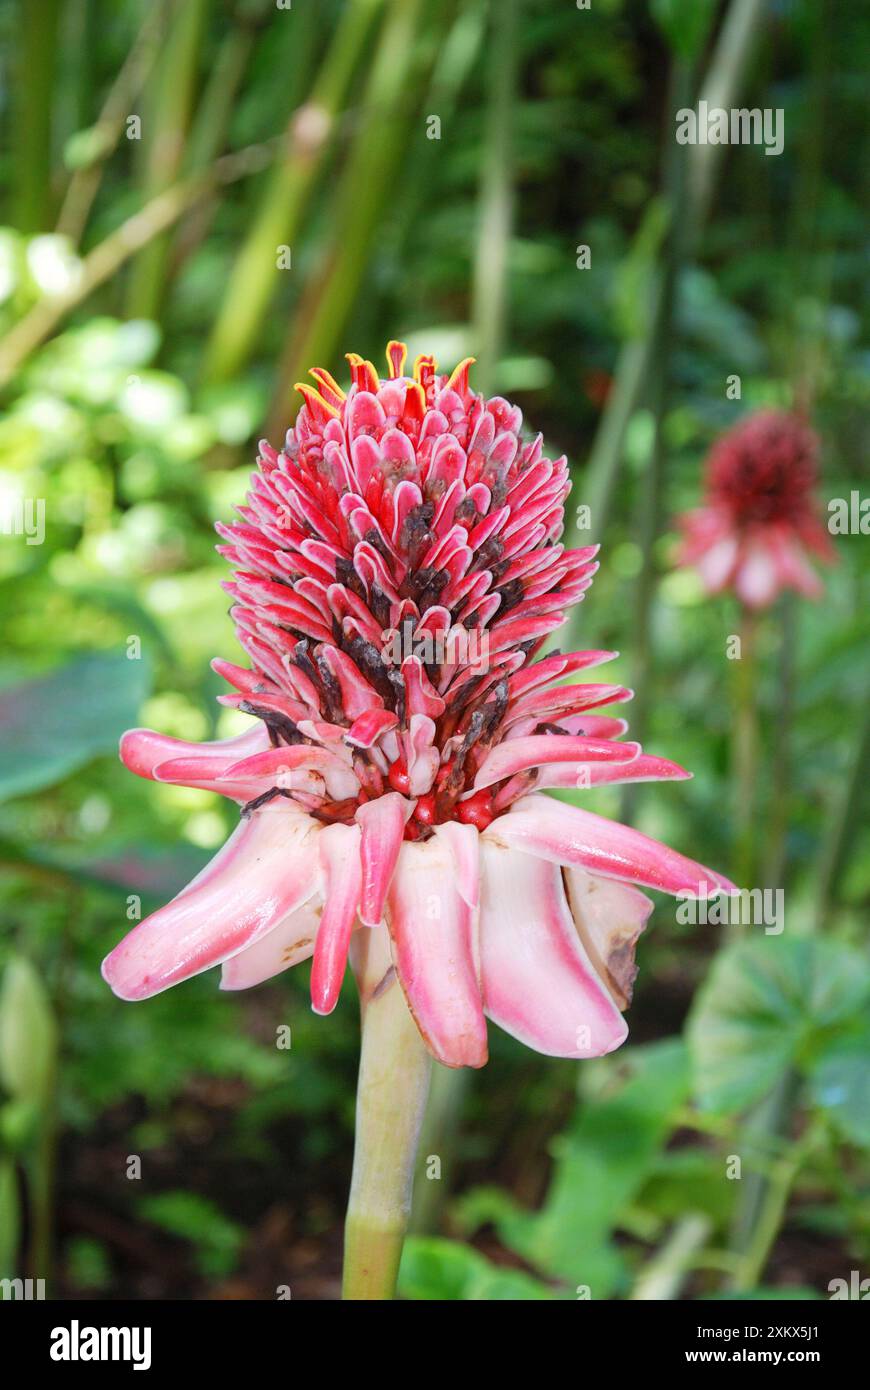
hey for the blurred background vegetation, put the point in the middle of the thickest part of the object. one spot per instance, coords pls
(202, 199)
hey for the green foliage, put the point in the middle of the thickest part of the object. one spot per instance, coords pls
(778, 1003)
(601, 1163)
(685, 23)
(216, 1241)
(54, 724)
(450, 1272)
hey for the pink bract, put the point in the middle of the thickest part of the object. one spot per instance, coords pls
(398, 570)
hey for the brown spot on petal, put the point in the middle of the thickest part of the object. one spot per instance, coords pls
(610, 943)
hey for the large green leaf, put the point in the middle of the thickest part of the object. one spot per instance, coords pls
(769, 1005)
(57, 723)
(840, 1084)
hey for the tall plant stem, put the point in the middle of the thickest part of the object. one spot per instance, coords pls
(664, 1275)
(653, 489)
(496, 196)
(254, 277)
(109, 126)
(745, 749)
(759, 1191)
(165, 129)
(37, 22)
(761, 1226)
(102, 263)
(721, 86)
(381, 131)
(391, 1100)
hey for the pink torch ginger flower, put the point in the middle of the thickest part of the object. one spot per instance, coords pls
(391, 782)
(758, 520)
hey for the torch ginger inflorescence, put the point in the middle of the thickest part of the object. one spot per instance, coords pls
(390, 782)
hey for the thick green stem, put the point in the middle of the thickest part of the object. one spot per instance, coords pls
(35, 85)
(391, 1100)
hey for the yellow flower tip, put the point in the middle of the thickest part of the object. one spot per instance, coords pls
(458, 380)
(321, 410)
(425, 368)
(329, 387)
(362, 372)
(397, 354)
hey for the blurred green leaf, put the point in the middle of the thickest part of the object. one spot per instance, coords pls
(768, 1005)
(840, 1084)
(216, 1239)
(446, 1271)
(52, 725)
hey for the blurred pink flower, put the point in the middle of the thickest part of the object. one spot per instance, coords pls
(395, 788)
(759, 518)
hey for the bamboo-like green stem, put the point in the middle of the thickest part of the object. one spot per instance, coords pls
(254, 278)
(109, 126)
(102, 263)
(37, 25)
(496, 196)
(381, 131)
(165, 128)
(722, 83)
(391, 1100)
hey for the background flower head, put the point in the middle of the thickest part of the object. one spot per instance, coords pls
(759, 523)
